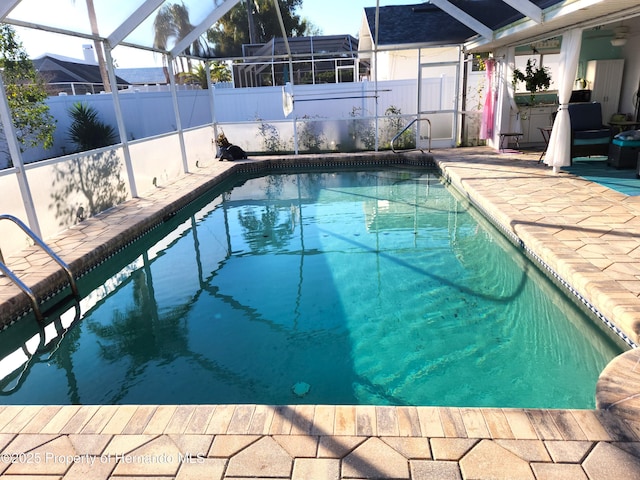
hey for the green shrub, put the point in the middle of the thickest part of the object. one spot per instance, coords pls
(87, 131)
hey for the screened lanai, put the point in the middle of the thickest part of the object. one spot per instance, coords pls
(147, 159)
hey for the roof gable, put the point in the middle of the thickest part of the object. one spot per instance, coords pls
(56, 70)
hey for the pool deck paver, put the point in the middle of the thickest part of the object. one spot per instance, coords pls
(587, 234)
(610, 450)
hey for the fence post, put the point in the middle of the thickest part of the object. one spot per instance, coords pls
(16, 156)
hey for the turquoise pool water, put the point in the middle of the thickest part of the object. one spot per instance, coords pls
(372, 287)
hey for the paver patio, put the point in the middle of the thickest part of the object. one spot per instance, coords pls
(588, 235)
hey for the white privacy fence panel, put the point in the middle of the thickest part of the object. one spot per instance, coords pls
(150, 113)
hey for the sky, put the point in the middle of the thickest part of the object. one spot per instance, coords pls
(333, 17)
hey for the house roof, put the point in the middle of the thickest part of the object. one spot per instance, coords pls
(143, 75)
(416, 24)
(489, 24)
(427, 24)
(58, 69)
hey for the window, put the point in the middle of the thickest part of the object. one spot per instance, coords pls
(548, 60)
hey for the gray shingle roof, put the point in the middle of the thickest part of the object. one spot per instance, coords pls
(424, 23)
(56, 69)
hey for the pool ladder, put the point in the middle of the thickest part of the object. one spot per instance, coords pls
(399, 134)
(14, 278)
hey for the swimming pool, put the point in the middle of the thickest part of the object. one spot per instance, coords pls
(369, 287)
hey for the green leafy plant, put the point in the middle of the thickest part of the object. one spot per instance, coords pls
(219, 72)
(270, 136)
(26, 93)
(535, 78)
(393, 124)
(87, 131)
(311, 136)
(361, 130)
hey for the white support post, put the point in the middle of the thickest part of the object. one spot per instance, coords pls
(212, 105)
(419, 90)
(122, 131)
(176, 109)
(457, 134)
(375, 80)
(16, 157)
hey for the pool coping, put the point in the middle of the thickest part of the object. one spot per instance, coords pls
(447, 440)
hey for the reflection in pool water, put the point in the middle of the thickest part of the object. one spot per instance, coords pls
(371, 287)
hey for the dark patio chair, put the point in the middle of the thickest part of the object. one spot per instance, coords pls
(588, 135)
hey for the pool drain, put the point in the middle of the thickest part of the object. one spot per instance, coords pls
(300, 389)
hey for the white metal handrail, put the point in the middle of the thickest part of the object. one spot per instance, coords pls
(418, 118)
(9, 273)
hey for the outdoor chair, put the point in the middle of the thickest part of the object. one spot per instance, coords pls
(588, 135)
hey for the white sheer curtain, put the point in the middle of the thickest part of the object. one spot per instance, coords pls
(559, 150)
(507, 116)
(515, 125)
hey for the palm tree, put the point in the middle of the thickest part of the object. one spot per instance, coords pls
(198, 75)
(220, 72)
(172, 24)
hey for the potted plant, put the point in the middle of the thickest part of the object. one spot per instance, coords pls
(535, 78)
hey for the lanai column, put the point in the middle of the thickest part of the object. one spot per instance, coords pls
(122, 131)
(176, 110)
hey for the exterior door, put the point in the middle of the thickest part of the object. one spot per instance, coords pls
(438, 86)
